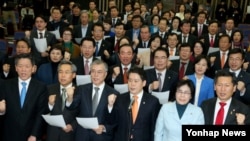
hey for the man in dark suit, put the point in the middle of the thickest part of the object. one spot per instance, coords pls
(160, 78)
(200, 28)
(102, 45)
(172, 44)
(219, 59)
(163, 28)
(66, 74)
(211, 39)
(118, 73)
(229, 27)
(134, 33)
(57, 23)
(114, 13)
(23, 102)
(237, 113)
(235, 60)
(137, 110)
(183, 66)
(83, 62)
(185, 36)
(84, 29)
(144, 37)
(8, 69)
(41, 33)
(91, 100)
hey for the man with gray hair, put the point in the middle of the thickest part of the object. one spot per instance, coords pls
(56, 104)
(93, 100)
(84, 29)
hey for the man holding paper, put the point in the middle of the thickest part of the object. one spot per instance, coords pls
(57, 98)
(91, 100)
(159, 78)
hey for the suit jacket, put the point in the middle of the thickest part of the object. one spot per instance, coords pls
(45, 74)
(51, 40)
(236, 106)
(19, 122)
(80, 65)
(169, 124)
(56, 133)
(217, 63)
(144, 126)
(176, 67)
(118, 79)
(164, 39)
(191, 39)
(105, 45)
(83, 103)
(206, 88)
(51, 26)
(244, 77)
(207, 42)
(204, 30)
(77, 31)
(170, 81)
(129, 33)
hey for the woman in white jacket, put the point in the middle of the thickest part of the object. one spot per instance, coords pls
(180, 112)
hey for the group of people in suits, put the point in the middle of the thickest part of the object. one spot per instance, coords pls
(196, 87)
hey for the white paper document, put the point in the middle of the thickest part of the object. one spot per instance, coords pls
(82, 79)
(121, 88)
(141, 50)
(78, 40)
(212, 50)
(88, 123)
(174, 57)
(162, 96)
(148, 67)
(55, 120)
(41, 44)
(56, 33)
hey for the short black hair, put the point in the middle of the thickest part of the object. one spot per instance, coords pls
(88, 39)
(224, 73)
(190, 84)
(161, 49)
(138, 71)
(235, 51)
(25, 56)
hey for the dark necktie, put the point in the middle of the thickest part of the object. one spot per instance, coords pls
(116, 46)
(220, 114)
(96, 48)
(41, 35)
(144, 45)
(63, 97)
(184, 39)
(23, 93)
(95, 100)
(182, 70)
(160, 82)
(200, 31)
(113, 22)
(212, 41)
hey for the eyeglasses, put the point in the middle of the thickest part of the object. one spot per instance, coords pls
(181, 92)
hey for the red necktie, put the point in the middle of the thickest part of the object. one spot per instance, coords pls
(125, 75)
(222, 63)
(212, 41)
(182, 70)
(220, 114)
(116, 46)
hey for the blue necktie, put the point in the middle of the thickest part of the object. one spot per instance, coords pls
(96, 49)
(23, 93)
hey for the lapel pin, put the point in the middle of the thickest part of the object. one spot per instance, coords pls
(143, 102)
